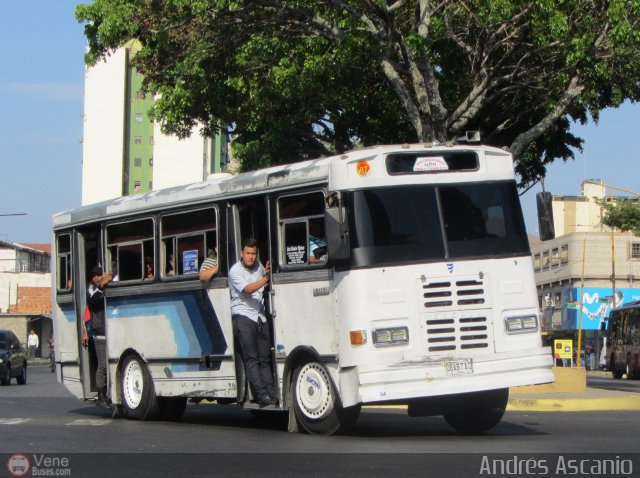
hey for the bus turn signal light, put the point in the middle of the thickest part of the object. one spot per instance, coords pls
(358, 337)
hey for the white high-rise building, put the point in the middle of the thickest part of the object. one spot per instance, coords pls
(124, 152)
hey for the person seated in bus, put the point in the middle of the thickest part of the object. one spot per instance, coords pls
(247, 280)
(171, 267)
(209, 267)
(148, 268)
(317, 243)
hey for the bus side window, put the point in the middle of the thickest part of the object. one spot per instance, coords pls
(63, 252)
(301, 219)
(186, 238)
(128, 245)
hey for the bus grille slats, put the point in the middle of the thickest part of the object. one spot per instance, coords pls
(444, 301)
(446, 334)
(464, 293)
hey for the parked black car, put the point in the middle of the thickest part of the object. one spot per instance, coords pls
(13, 360)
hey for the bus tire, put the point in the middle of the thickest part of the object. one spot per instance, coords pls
(477, 412)
(172, 408)
(315, 402)
(138, 395)
(630, 371)
(617, 374)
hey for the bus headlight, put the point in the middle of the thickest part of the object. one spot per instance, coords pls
(527, 323)
(391, 336)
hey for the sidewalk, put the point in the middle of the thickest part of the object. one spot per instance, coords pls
(593, 399)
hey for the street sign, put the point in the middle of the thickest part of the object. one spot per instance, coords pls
(563, 349)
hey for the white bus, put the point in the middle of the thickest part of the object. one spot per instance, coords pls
(423, 294)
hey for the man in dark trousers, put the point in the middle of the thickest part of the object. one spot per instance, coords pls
(95, 302)
(247, 280)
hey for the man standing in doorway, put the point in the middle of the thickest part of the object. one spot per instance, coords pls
(95, 302)
(33, 342)
(248, 279)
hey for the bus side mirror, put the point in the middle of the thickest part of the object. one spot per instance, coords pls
(335, 226)
(603, 327)
(545, 216)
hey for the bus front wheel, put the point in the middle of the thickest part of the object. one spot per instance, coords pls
(477, 412)
(139, 400)
(315, 402)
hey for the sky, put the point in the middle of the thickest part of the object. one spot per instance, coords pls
(41, 105)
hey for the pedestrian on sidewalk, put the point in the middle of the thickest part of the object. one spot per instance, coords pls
(33, 342)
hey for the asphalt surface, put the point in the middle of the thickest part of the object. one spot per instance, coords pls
(592, 399)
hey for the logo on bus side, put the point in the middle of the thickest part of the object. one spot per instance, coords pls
(450, 267)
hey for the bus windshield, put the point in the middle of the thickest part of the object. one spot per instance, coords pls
(429, 223)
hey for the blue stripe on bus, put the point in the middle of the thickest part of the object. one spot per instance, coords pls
(69, 312)
(193, 320)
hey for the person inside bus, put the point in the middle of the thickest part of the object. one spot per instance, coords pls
(247, 280)
(171, 268)
(317, 241)
(148, 268)
(209, 267)
(95, 303)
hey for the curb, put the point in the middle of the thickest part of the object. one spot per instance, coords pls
(572, 404)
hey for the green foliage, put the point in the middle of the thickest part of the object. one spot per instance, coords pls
(623, 215)
(296, 79)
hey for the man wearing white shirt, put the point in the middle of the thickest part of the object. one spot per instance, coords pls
(33, 342)
(247, 280)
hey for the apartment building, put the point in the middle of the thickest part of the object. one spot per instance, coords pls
(124, 151)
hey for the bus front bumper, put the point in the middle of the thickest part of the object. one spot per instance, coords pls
(429, 377)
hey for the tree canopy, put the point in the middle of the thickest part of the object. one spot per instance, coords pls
(296, 79)
(623, 215)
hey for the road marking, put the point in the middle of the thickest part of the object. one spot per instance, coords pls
(13, 421)
(88, 422)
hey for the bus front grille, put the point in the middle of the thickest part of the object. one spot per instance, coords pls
(463, 333)
(461, 293)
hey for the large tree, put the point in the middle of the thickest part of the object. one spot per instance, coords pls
(301, 78)
(623, 215)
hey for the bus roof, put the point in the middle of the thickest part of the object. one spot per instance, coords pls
(222, 186)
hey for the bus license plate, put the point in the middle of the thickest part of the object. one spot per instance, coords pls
(458, 367)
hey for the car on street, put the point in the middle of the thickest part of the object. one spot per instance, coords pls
(13, 360)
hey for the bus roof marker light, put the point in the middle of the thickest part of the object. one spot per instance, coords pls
(363, 168)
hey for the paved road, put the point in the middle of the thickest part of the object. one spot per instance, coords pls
(606, 381)
(42, 418)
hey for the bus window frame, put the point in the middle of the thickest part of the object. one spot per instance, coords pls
(303, 219)
(60, 287)
(175, 240)
(142, 240)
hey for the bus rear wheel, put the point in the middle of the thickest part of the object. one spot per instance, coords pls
(477, 412)
(617, 374)
(138, 395)
(631, 373)
(316, 406)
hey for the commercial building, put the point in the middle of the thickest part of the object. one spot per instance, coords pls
(586, 270)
